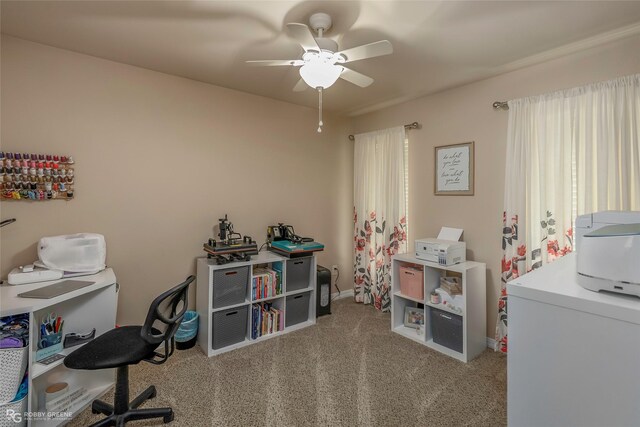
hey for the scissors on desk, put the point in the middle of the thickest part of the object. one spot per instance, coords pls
(51, 324)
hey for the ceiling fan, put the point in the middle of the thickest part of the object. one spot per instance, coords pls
(322, 63)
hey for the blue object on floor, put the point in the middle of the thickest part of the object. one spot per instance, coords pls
(188, 329)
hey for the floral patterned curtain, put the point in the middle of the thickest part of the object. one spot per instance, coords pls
(379, 215)
(568, 153)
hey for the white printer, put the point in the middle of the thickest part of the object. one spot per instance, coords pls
(443, 252)
(608, 251)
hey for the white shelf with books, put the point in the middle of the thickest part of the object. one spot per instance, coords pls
(260, 299)
(454, 323)
(267, 318)
(266, 281)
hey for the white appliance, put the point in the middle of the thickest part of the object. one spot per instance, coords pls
(608, 250)
(608, 259)
(593, 221)
(443, 252)
(572, 352)
(63, 256)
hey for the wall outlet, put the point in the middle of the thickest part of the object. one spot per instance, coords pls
(334, 275)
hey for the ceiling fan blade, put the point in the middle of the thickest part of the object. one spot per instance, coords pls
(371, 50)
(356, 78)
(275, 62)
(304, 36)
(300, 86)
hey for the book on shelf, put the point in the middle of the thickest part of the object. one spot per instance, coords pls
(265, 319)
(265, 283)
(277, 266)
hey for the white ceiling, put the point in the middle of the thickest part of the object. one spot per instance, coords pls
(437, 44)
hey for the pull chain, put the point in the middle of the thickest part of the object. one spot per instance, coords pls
(320, 110)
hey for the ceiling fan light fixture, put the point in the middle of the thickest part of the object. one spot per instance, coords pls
(321, 63)
(318, 73)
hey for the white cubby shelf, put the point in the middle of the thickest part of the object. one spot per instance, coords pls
(473, 314)
(93, 306)
(205, 289)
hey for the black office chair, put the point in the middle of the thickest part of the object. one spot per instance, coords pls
(128, 345)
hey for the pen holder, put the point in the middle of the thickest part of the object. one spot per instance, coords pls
(49, 345)
(49, 340)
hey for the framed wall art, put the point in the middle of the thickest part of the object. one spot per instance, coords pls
(454, 170)
(413, 317)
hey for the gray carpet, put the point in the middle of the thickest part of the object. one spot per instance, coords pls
(349, 369)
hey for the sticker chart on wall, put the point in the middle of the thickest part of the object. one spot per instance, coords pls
(36, 177)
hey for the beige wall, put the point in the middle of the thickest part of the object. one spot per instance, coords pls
(155, 154)
(160, 159)
(465, 114)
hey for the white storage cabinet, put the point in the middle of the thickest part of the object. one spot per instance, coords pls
(93, 306)
(473, 316)
(224, 299)
(573, 353)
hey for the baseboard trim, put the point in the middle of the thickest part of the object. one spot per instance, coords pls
(491, 343)
(343, 294)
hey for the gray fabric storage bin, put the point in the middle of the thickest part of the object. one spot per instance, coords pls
(229, 327)
(230, 286)
(446, 329)
(297, 309)
(298, 273)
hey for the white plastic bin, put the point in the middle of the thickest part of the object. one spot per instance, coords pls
(14, 363)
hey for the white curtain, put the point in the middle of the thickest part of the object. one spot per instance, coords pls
(568, 153)
(379, 212)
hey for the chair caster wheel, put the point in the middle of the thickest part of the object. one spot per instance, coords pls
(168, 418)
(153, 394)
(93, 411)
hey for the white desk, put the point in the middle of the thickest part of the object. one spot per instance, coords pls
(90, 307)
(573, 353)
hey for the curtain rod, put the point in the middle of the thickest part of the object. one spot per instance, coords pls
(500, 105)
(7, 222)
(414, 125)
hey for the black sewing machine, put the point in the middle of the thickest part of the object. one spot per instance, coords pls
(232, 246)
